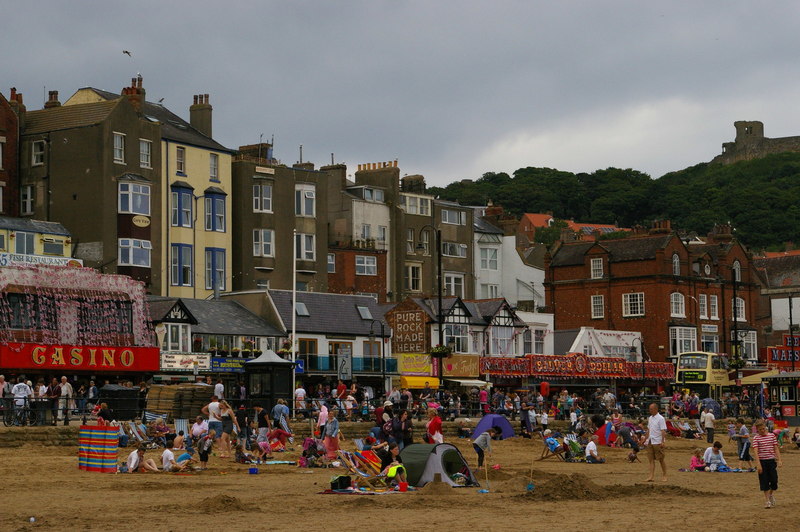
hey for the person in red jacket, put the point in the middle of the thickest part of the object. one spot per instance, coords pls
(434, 427)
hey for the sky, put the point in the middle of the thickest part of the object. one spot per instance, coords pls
(452, 89)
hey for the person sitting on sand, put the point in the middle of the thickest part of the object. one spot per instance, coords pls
(713, 457)
(391, 463)
(264, 450)
(179, 442)
(591, 452)
(243, 457)
(137, 463)
(796, 437)
(168, 462)
(697, 463)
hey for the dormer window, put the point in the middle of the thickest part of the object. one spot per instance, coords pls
(597, 268)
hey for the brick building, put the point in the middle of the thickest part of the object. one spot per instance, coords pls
(357, 271)
(9, 150)
(679, 296)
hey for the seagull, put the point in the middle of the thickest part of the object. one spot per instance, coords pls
(126, 52)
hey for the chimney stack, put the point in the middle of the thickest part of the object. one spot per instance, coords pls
(135, 93)
(200, 114)
(52, 100)
(15, 100)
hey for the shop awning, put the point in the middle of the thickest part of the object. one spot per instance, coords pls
(469, 382)
(416, 383)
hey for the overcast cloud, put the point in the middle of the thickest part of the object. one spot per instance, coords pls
(452, 89)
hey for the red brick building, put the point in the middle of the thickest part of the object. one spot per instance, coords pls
(357, 271)
(679, 296)
(9, 151)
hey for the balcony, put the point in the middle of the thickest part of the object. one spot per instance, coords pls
(329, 364)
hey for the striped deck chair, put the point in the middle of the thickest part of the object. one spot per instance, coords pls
(139, 433)
(182, 424)
(362, 479)
(359, 443)
(152, 416)
(369, 461)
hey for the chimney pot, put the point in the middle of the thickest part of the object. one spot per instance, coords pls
(195, 99)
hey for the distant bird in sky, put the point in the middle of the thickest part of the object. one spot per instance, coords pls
(126, 52)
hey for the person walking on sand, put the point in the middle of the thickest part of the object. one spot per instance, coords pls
(768, 460)
(655, 438)
(707, 419)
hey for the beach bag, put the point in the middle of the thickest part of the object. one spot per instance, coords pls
(341, 482)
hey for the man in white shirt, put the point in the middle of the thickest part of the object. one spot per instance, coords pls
(137, 463)
(21, 392)
(64, 401)
(168, 463)
(707, 419)
(299, 399)
(5, 387)
(219, 390)
(591, 452)
(214, 413)
(655, 438)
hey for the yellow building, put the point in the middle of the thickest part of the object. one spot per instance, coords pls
(193, 196)
(24, 241)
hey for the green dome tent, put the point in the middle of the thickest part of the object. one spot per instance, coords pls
(422, 461)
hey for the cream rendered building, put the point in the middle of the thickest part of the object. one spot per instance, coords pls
(195, 237)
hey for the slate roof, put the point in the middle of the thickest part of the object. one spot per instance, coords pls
(482, 226)
(619, 250)
(67, 117)
(481, 310)
(330, 313)
(563, 340)
(33, 226)
(781, 271)
(215, 316)
(173, 127)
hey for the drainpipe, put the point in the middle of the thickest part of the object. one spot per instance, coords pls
(167, 221)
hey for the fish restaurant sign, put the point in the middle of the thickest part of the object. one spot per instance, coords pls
(18, 259)
(78, 357)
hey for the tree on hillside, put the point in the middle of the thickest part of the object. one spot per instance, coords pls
(549, 235)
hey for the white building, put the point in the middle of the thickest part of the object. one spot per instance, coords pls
(596, 342)
(539, 339)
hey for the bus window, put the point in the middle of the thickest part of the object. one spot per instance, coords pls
(715, 363)
(693, 361)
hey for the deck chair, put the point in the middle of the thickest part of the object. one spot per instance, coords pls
(551, 450)
(359, 443)
(140, 436)
(575, 448)
(182, 424)
(152, 416)
(368, 461)
(363, 479)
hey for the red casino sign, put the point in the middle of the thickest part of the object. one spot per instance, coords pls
(115, 359)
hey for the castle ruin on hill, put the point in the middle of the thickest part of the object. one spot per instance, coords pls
(750, 143)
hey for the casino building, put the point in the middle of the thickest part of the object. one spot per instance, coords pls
(74, 321)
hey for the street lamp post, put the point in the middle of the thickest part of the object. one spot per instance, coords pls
(383, 360)
(440, 312)
(633, 351)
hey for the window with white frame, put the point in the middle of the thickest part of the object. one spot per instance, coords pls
(134, 252)
(454, 249)
(676, 264)
(145, 153)
(215, 212)
(413, 277)
(702, 302)
(366, 231)
(306, 246)
(53, 246)
(119, 147)
(489, 291)
(180, 160)
(263, 240)
(488, 258)
(262, 198)
(23, 243)
(176, 339)
(182, 207)
(382, 233)
(502, 340)
(682, 339)
(737, 305)
(410, 244)
(747, 344)
(134, 198)
(709, 343)
(331, 262)
(538, 341)
(425, 240)
(366, 265)
(411, 204)
(598, 307)
(452, 217)
(713, 307)
(181, 265)
(633, 304)
(305, 200)
(215, 268)
(37, 153)
(26, 197)
(737, 271)
(457, 334)
(597, 268)
(213, 166)
(677, 305)
(454, 284)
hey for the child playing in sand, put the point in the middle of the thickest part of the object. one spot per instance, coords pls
(204, 447)
(697, 463)
(483, 443)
